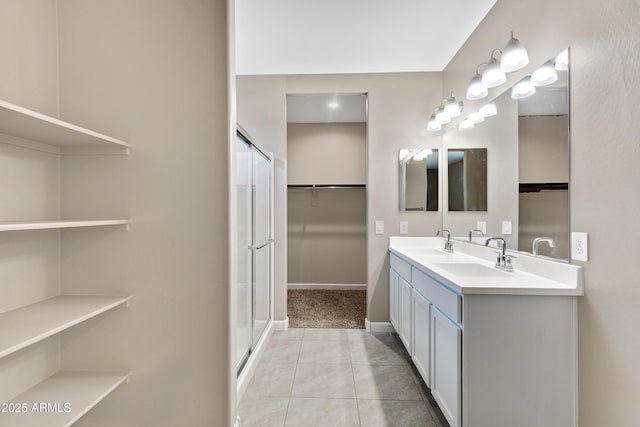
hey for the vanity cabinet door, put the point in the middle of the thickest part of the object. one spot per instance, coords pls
(446, 365)
(405, 314)
(421, 335)
(394, 278)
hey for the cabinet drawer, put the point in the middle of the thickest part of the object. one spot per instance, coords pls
(401, 266)
(442, 297)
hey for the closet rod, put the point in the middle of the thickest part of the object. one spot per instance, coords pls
(323, 186)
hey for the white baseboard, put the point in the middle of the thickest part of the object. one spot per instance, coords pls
(250, 367)
(281, 325)
(378, 326)
(331, 286)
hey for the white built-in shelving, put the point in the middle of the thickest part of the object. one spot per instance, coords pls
(57, 224)
(69, 395)
(30, 128)
(27, 325)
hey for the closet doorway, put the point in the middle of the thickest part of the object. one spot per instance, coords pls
(327, 210)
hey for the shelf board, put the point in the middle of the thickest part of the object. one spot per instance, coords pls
(81, 390)
(33, 126)
(25, 326)
(56, 224)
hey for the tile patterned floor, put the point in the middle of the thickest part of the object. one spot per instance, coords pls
(337, 377)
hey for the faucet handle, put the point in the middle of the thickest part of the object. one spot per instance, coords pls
(448, 246)
(508, 264)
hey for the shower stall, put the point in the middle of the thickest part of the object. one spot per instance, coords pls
(255, 246)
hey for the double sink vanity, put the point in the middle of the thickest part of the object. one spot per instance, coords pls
(496, 348)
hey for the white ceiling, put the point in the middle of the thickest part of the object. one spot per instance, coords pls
(315, 109)
(352, 36)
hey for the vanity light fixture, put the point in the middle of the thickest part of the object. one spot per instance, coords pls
(545, 75)
(334, 104)
(475, 118)
(433, 124)
(422, 154)
(476, 90)
(523, 89)
(465, 125)
(514, 56)
(488, 110)
(493, 75)
(441, 116)
(453, 108)
(562, 61)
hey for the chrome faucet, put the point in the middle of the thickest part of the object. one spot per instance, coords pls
(475, 231)
(537, 240)
(504, 261)
(448, 246)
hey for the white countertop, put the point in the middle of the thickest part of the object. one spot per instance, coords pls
(476, 273)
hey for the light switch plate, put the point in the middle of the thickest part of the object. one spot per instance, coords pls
(506, 228)
(404, 227)
(482, 226)
(379, 227)
(580, 246)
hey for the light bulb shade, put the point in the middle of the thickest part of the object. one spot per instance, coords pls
(453, 108)
(492, 75)
(433, 124)
(422, 154)
(523, 89)
(544, 75)
(562, 60)
(514, 56)
(441, 116)
(465, 125)
(476, 90)
(488, 110)
(475, 118)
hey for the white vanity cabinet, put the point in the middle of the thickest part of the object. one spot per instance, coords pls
(404, 314)
(492, 355)
(394, 277)
(421, 343)
(446, 364)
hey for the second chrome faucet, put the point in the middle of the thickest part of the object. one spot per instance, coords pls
(504, 261)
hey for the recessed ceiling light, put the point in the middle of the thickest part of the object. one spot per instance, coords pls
(333, 104)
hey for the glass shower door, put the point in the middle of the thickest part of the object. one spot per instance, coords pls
(262, 243)
(244, 298)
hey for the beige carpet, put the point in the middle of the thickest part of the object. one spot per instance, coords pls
(326, 308)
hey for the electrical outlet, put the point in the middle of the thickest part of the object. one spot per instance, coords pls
(506, 228)
(404, 227)
(580, 246)
(379, 227)
(482, 226)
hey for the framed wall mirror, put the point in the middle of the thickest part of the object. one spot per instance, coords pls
(528, 145)
(418, 178)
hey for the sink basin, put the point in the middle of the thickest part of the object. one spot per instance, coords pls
(470, 270)
(425, 251)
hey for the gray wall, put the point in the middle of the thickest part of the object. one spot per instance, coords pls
(604, 39)
(327, 236)
(154, 73)
(326, 153)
